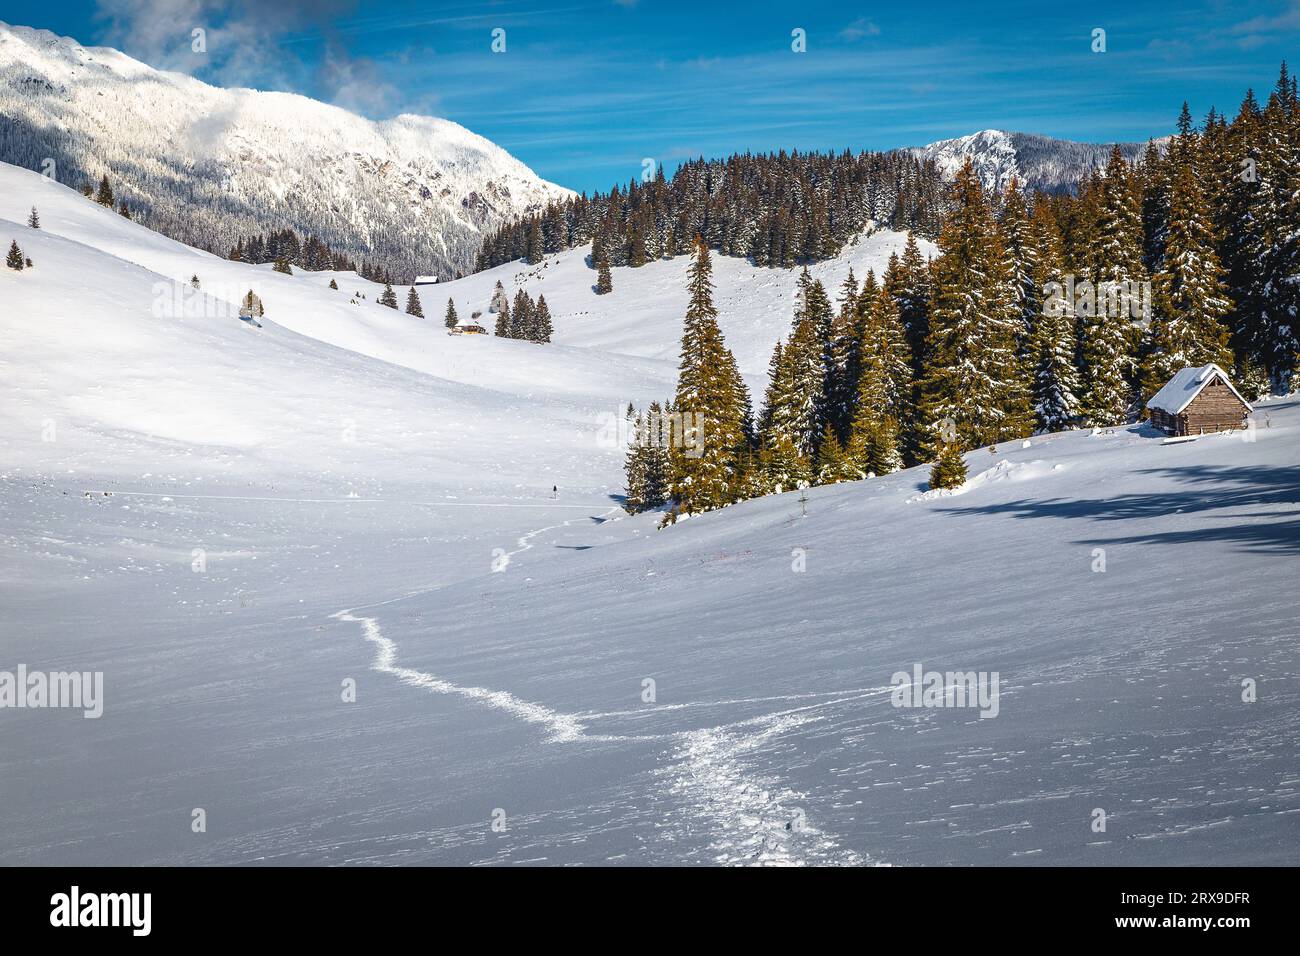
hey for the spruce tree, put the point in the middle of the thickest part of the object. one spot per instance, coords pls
(973, 375)
(413, 304)
(34, 221)
(705, 466)
(15, 258)
(521, 315)
(387, 298)
(1190, 297)
(105, 195)
(604, 281)
(502, 328)
(534, 250)
(542, 327)
(451, 318)
(949, 469)
(122, 211)
(282, 266)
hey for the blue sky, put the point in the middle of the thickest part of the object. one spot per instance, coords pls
(585, 91)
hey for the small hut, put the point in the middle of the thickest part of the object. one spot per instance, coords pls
(1198, 401)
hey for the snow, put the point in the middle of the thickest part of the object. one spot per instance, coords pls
(230, 523)
(1187, 383)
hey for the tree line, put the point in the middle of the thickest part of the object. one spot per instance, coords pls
(779, 209)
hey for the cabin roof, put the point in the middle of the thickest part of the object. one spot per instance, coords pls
(1182, 389)
(426, 280)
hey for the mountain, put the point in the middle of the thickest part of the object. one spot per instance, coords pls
(235, 525)
(1039, 162)
(206, 165)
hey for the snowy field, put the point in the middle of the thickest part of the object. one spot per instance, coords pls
(348, 493)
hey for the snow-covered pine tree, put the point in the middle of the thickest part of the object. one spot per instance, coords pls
(542, 327)
(705, 466)
(194, 281)
(502, 328)
(884, 391)
(521, 315)
(1190, 299)
(1052, 350)
(15, 258)
(782, 468)
(388, 297)
(973, 377)
(282, 266)
(604, 281)
(413, 304)
(911, 288)
(949, 469)
(634, 469)
(1272, 311)
(451, 317)
(34, 221)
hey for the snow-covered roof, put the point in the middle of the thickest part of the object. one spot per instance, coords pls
(1179, 391)
(426, 280)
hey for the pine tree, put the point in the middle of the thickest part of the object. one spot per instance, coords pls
(503, 317)
(634, 469)
(282, 266)
(521, 316)
(534, 250)
(542, 327)
(973, 376)
(1052, 350)
(122, 210)
(452, 319)
(604, 281)
(884, 391)
(388, 297)
(949, 469)
(832, 466)
(334, 285)
(413, 304)
(105, 195)
(15, 258)
(1190, 297)
(705, 466)
(34, 221)
(782, 468)
(194, 281)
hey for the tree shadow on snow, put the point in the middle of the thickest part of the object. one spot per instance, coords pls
(1220, 497)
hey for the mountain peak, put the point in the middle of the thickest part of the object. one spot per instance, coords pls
(208, 165)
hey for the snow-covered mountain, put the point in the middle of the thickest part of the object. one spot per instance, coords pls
(208, 164)
(1039, 162)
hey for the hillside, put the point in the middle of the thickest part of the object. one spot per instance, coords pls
(232, 523)
(210, 165)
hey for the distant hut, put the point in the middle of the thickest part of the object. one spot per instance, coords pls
(426, 280)
(1198, 401)
(472, 327)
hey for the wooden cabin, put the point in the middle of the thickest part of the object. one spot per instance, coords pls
(1198, 401)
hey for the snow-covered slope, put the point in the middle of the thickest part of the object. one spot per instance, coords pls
(213, 164)
(1038, 162)
(241, 526)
